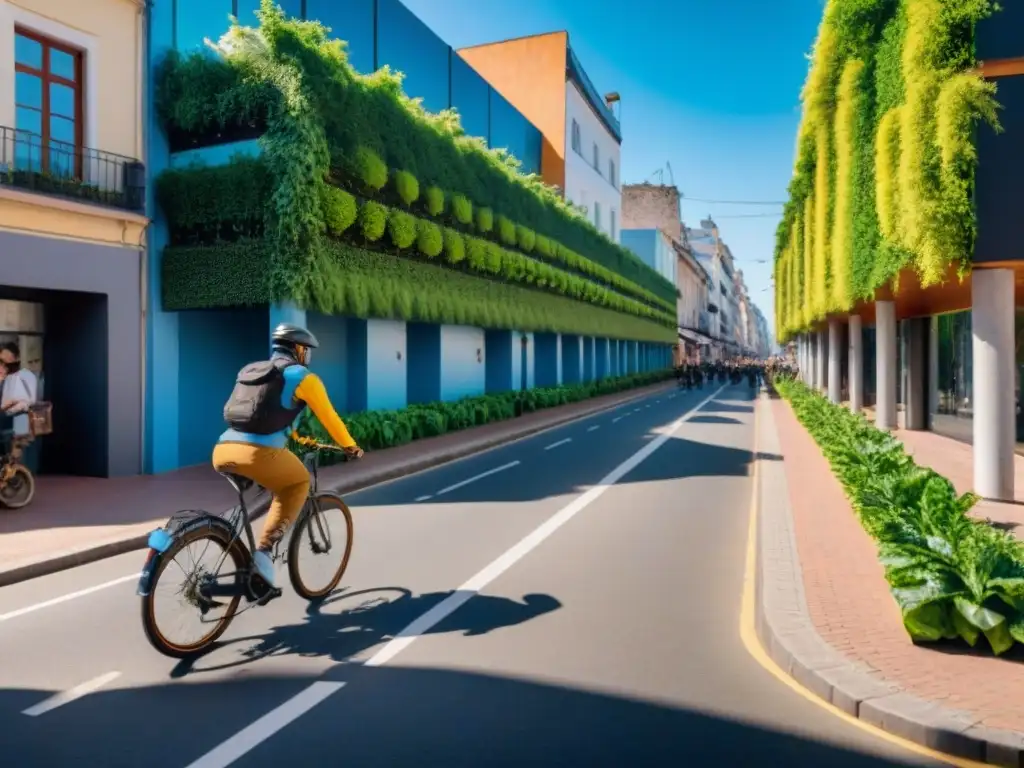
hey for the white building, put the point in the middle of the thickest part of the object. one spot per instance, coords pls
(542, 77)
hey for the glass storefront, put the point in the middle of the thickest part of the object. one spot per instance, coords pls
(22, 322)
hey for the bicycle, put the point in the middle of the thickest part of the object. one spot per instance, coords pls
(206, 589)
(17, 483)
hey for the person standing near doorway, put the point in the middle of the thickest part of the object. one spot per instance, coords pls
(20, 390)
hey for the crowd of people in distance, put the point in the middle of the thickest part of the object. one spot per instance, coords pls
(692, 374)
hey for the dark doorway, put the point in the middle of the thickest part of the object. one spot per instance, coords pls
(74, 377)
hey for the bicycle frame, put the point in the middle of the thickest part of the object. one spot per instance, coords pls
(236, 525)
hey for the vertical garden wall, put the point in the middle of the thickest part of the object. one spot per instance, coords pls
(362, 203)
(885, 155)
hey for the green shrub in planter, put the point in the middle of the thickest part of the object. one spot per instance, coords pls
(407, 187)
(462, 210)
(401, 228)
(484, 220)
(494, 257)
(454, 246)
(373, 220)
(525, 238)
(434, 197)
(428, 239)
(340, 210)
(951, 575)
(476, 254)
(369, 169)
(506, 231)
(543, 247)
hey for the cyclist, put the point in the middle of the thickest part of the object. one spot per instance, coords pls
(267, 400)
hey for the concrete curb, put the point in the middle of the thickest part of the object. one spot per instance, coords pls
(788, 635)
(115, 546)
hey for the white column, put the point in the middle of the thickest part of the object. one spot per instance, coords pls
(992, 324)
(885, 365)
(933, 369)
(856, 363)
(821, 361)
(835, 361)
(804, 357)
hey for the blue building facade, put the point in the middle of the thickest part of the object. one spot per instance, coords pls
(193, 356)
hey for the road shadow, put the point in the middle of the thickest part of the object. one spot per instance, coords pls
(348, 624)
(399, 716)
(711, 419)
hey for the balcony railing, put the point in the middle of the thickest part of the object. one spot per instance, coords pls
(64, 170)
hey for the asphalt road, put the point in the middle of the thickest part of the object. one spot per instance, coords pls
(579, 606)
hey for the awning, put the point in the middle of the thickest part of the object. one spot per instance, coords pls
(695, 337)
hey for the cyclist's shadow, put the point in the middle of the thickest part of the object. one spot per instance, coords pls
(369, 618)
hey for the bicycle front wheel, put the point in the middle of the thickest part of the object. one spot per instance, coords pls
(19, 489)
(320, 547)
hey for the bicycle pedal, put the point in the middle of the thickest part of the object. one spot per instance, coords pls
(271, 594)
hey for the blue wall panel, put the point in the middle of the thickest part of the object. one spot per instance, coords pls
(521, 357)
(572, 372)
(463, 371)
(548, 359)
(376, 365)
(195, 20)
(247, 10)
(589, 347)
(214, 345)
(423, 377)
(498, 364)
(470, 93)
(351, 21)
(408, 45)
(510, 130)
(602, 359)
(330, 360)
(221, 154)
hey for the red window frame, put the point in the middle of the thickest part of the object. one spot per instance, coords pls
(48, 78)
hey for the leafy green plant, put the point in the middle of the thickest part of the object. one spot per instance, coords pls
(434, 197)
(506, 231)
(885, 155)
(340, 210)
(401, 228)
(376, 430)
(371, 171)
(362, 283)
(429, 241)
(484, 220)
(952, 576)
(525, 239)
(462, 210)
(373, 220)
(407, 187)
(454, 246)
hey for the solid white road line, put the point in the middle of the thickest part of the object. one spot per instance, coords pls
(560, 442)
(66, 697)
(482, 475)
(65, 598)
(253, 735)
(593, 428)
(449, 605)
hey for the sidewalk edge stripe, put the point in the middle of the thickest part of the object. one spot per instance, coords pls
(786, 644)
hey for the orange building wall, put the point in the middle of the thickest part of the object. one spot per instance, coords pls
(530, 73)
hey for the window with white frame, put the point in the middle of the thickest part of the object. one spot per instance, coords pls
(577, 142)
(597, 158)
(612, 221)
(597, 214)
(611, 173)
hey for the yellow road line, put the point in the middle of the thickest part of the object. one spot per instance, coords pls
(748, 633)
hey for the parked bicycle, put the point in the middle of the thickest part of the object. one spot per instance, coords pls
(214, 593)
(17, 483)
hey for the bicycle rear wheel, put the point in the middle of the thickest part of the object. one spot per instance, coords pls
(323, 536)
(185, 580)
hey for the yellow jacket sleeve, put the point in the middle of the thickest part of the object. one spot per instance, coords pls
(312, 392)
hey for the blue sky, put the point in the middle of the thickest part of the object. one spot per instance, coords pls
(710, 86)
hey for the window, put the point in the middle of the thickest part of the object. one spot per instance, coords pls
(577, 142)
(611, 173)
(612, 215)
(597, 214)
(48, 104)
(597, 159)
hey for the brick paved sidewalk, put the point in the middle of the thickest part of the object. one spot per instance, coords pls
(74, 520)
(851, 608)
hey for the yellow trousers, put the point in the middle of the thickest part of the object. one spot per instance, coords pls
(279, 471)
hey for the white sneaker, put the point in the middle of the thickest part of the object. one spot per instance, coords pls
(264, 565)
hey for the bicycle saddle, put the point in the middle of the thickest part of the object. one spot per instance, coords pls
(240, 484)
